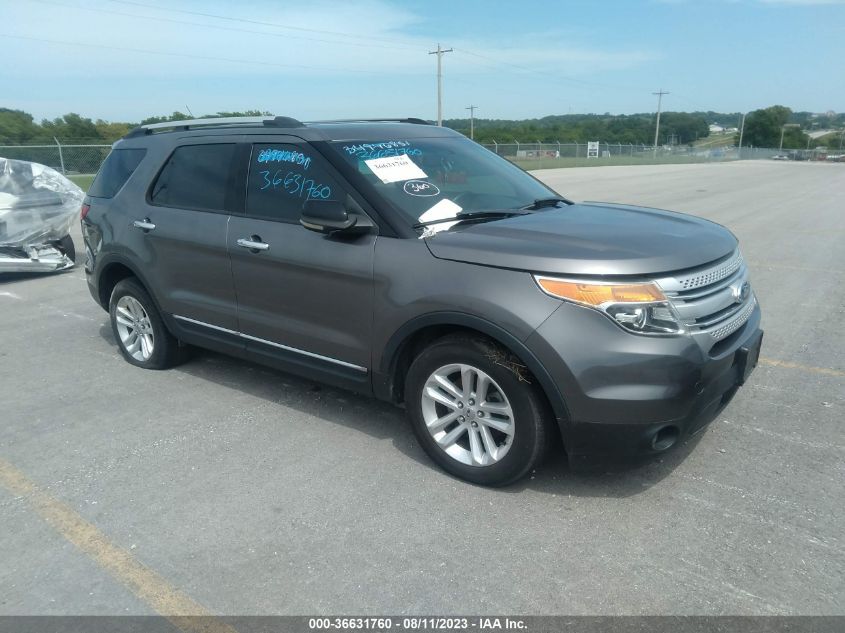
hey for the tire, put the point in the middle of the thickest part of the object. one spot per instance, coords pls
(137, 326)
(515, 412)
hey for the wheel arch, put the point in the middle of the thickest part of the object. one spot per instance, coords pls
(112, 271)
(403, 346)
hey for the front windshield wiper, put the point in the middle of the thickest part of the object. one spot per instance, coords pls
(474, 215)
(542, 203)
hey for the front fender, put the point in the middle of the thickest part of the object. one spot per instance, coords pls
(385, 373)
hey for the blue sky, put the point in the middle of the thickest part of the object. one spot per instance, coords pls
(127, 59)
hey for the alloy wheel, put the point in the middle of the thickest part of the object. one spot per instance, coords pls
(468, 414)
(134, 328)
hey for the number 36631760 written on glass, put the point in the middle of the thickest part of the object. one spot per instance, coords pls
(296, 184)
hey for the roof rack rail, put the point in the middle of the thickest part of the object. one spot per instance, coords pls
(234, 121)
(413, 120)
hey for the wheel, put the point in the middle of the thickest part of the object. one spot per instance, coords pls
(476, 410)
(141, 335)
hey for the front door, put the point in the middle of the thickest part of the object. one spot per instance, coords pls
(304, 299)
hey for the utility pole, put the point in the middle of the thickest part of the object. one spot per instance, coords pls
(657, 127)
(741, 132)
(471, 121)
(439, 52)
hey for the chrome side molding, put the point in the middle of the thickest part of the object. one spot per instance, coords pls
(287, 348)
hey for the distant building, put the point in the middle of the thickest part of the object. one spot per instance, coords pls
(715, 128)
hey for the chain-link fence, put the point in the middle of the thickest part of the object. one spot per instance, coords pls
(67, 159)
(548, 155)
(86, 159)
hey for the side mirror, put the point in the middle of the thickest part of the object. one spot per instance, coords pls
(326, 216)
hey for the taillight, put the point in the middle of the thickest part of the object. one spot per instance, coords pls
(84, 211)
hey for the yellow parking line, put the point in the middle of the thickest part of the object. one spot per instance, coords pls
(816, 370)
(159, 594)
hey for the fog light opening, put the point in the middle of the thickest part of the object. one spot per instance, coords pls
(665, 438)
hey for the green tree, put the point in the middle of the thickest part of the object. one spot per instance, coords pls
(110, 132)
(834, 141)
(181, 116)
(176, 116)
(70, 127)
(244, 113)
(763, 129)
(17, 127)
(793, 138)
(685, 127)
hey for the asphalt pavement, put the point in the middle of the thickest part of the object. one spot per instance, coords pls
(228, 488)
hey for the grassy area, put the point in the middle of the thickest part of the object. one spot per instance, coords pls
(553, 163)
(715, 141)
(82, 180)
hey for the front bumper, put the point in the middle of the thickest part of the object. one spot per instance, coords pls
(630, 396)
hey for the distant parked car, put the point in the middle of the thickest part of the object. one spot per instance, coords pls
(780, 157)
(37, 208)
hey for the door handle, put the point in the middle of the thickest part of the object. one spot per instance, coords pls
(254, 244)
(144, 225)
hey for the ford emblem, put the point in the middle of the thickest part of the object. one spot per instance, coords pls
(741, 293)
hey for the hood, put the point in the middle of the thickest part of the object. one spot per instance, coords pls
(588, 239)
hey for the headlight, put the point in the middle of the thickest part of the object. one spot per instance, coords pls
(640, 308)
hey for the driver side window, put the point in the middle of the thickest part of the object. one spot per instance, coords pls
(282, 178)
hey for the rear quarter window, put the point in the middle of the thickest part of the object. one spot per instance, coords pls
(115, 171)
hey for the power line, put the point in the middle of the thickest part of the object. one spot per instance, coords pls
(522, 68)
(498, 63)
(187, 55)
(544, 73)
(370, 38)
(249, 21)
(224, 28)
(440, 52)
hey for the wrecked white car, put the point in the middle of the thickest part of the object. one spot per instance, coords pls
(38, 206)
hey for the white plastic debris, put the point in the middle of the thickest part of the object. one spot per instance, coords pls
(38, 206)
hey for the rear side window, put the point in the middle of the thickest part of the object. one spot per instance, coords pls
(282, 178)
(115, 171)
(195, 177)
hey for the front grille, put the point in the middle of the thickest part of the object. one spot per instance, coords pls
(710, 299)
(736, 322)
(713, 275)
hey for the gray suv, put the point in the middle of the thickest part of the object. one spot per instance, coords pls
(404, 261)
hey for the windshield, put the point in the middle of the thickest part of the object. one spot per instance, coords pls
(432, 178)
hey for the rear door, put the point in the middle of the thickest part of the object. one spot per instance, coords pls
(183, 228)
(305, 299)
